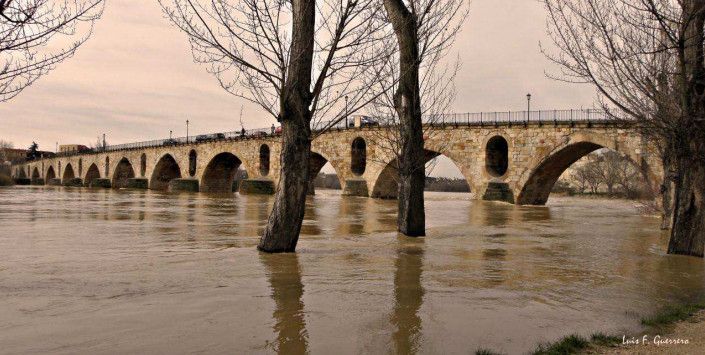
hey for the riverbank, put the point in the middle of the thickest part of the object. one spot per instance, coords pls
(677, 329)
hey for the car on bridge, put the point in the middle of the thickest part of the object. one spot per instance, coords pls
(364, 121)
(209, 137)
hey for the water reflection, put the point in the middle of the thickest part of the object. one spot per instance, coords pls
(284, 274)
(408, 295)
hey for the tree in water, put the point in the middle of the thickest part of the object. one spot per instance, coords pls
(646, 59)
(297, 60)
(31, 31)
(425, 30)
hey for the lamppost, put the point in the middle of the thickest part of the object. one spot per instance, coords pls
(528, 107)
(170, 134)
(346, 112)
(186, 131)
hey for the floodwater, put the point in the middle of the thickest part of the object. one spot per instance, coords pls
(104, 271)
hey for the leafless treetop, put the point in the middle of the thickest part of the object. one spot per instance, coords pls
(35, 35)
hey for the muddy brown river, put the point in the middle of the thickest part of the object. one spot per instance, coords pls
(105, 271)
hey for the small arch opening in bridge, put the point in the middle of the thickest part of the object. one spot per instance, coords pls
(220, 173)
(92, 174)
(586, 167)
(442, 175)
(80, 167)
(166, 170)
(497, 156)
(264, 160)
(143, 164)
(358, 156)
(51, 175)
(68, 173)
(123, 173)
(107, 167)
(192, 156)
(322, 174)
(35, 174)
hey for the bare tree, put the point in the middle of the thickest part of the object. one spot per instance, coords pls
(29, 32)
(646, 59)
(297, 60)
(425, 30)
(4, 145)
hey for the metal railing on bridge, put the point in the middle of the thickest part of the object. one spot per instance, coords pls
(457, 119)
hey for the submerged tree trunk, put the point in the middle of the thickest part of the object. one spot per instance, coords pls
(284, 225)
(411, 219)
(688, 147)
(688, 226)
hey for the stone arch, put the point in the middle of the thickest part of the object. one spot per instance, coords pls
(166, 170)
(316, 163)
(91, 174)
(35, 174)
(358, 156)
(544, 171)
(68, 173)
(123, 173)
(143, 164)
(192, 162)
(497, 156)
(264, 159)
(386, 184)
(80, 167)
(50, 175)
(220, 173)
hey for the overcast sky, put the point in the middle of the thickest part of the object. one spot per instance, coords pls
(135, 79)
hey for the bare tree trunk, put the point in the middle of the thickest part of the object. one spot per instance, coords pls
(688, 227)
(411, 219)
(284, 225)
(667, 194)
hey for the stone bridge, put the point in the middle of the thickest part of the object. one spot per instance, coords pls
(516, 162)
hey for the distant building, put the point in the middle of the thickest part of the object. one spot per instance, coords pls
(12, 154)
(72, 148)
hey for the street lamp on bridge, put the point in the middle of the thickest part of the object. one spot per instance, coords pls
(528, 107)
(186, 131)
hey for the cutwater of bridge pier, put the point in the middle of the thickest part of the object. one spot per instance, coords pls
(513, 157)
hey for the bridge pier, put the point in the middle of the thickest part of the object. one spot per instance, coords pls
(38, 181)
(498, 191)
(137, 183)
(356, 187)
(99, 183)
(183, 185)
(54, 182)
(23, 181)
(257, 187)
(74, 182)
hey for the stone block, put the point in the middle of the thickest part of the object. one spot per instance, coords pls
(356, 188)
(75, 182)
(498, 191)
(183, 185)
(137, 183)
(257, 187)
(100, 183)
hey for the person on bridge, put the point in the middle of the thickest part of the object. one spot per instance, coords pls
(242, 132)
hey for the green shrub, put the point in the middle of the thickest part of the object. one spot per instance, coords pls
(568, 345)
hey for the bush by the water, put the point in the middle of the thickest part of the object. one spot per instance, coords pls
(6, 180)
